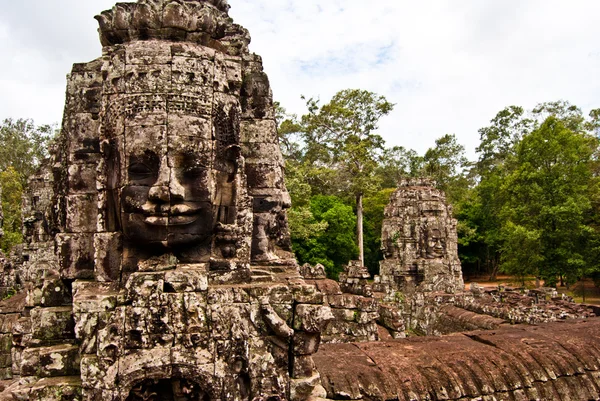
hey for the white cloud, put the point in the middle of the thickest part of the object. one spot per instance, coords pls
(449, 65)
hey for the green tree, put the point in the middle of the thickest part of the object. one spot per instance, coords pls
(548, 196)
(497, 145)
(374, 208)
(340, 135)
(398, 162)
(334, 246)
(521, 251)
(23, 145)
(12, 193)
(447, 164)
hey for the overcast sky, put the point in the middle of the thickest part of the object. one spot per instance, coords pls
(448, 65)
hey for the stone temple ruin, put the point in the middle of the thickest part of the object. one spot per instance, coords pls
(157, 263)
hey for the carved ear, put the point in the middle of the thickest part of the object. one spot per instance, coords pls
(232, 154)
(113, 178)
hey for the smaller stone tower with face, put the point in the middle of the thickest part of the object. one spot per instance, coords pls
(419, 240)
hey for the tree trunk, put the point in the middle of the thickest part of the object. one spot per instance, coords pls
(359, 228)
(495, 268)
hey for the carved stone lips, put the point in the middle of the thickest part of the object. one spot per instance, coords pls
(170, 215)
(179, 220)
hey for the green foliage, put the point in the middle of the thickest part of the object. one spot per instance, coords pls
(23, 146)
(11, 292)
(547, 196)
(398, 162)
(303, 224)
(340, 135)
(12, 192)
(447, 164)
(339, 138)
(374, 206)
(332, 244)
(521, 248)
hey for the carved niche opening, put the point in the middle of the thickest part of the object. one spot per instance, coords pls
(173, 389)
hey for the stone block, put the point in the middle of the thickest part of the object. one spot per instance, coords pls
(195, 315)
(303, 366)
(203, 353)
(265, 175)
(187, 279)
(138, 54)
(52, 324)
(55, 292)
(344, 315)
(6, 341)
(60, 360)
(192, 74)
(82, 173)
(316, 272)
(257, 132)
(144, 109)
(57, 389)
(82, 213)
(306, 294)
(197, 127)
(306, 343)
(367, 304)
(7, 322)
(366, 317)
(76, 255)
(236, 322)
(140, 286)
(198, 105)
(301, 389)
(228, 73)
(86, 331)
(108, 250)
(227, 295)
(147, 78)
(343, 301)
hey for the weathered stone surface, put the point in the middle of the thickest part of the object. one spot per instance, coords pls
(553, 361)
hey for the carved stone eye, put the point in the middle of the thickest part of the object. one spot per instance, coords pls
(143, 167)
(193, 172)
(140, 170)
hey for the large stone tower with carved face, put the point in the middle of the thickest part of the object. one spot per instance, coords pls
(158, 255)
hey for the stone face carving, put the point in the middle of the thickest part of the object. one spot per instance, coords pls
(158, 261)
(419, 241)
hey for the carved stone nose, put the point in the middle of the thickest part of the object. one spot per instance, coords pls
(166, 188)
(159, 193)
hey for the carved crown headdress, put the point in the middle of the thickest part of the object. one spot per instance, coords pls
(192, 20)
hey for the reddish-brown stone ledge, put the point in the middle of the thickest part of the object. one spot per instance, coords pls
(554, 361)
